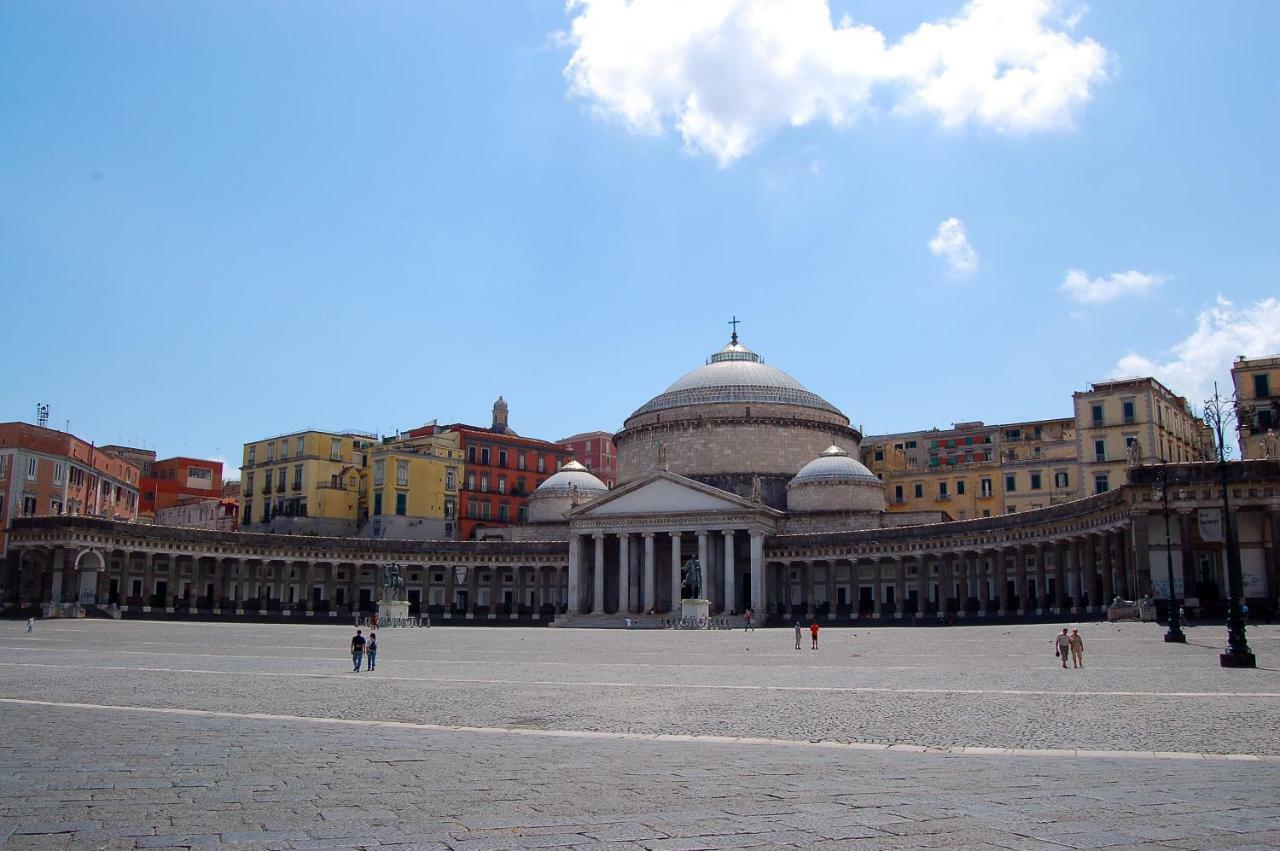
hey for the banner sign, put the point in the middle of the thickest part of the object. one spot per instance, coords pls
(1210, 524)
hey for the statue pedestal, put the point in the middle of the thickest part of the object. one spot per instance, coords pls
(393, 610)
(694, 612)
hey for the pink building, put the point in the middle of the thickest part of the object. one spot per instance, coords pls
(595, 451)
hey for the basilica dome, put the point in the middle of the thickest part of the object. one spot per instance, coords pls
(730, 421)
(834, 465)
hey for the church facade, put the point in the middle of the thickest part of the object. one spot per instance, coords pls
(736, 464)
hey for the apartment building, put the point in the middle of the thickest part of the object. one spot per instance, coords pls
(165, 483)
(307, 482)
(595, 451)
(1257, 386)
(1132, 420)
(414, 483)
(44, 471)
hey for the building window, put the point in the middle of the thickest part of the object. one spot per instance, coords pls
(402, 473)
(1097, 414)
(379, 471)
(1261, 386)
(484, 483)
(298, 447)
(542, 466)
(1266, 420)
(897, 494)
(32, 464)
(473, 509)
(471, 454)
(1061, 479)
(271, 452)
(280, 476)
(1100, 484)
(1129, 411)
(248, 481)
(448, 509)
(58, 472)
(284, 449)
(402, 503)
(1035, 481)
(503, 512)
(377, 504)
(484, 511)
(1010, 484)
(335, 449)
(919, 490)
(502, 484)
(522, 513)
(450, 479)
(1099, 450)
(484, 455)
(471, 481)
(984, 490)
(942, 488)
(960, 487)
(502, 457)
(520, 461)
(253, 455)
(29, 506)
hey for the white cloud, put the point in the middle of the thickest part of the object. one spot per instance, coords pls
(1088, 290)
(728, 73)
(1222, 333)
(952, 243)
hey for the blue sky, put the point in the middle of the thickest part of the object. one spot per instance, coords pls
(221, 221)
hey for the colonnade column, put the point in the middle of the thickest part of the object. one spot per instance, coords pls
(1020, 576)
(148, 579)
(947, 584)
(877, 580)
(1118, 540)
(575, 568)
(1042, 574)
(900, 587)
(624, 571)
(1060, 575)
(675, 573)
(730, 586)
(449, 570)
(1108, 578)
(984, 583)
(757, 571)
(597, 589)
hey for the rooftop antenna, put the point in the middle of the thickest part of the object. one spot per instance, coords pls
(734, 322)
(42, 415)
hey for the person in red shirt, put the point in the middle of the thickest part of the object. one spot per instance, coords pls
(813, 631)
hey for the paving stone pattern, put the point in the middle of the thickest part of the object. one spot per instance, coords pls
(98, 777)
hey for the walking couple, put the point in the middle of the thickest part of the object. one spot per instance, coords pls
(1072, 644)
(361, 647)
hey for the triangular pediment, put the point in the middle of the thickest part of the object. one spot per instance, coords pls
(664, 493)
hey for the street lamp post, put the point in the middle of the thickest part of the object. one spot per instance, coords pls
(1174, 633)
(1237, 654)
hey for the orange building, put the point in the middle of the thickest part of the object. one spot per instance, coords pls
(502, 469)
(174, 478)
(44, 471)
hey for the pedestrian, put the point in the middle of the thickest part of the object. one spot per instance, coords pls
(1077, 649)
(813, 631)
(371, 649)
(749, 616)
(30, 623)
(627, 622)
(1062, 646)
(797, 635)
(357, 651)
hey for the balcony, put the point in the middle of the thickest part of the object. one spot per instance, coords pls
(297, 486)
(266, 488)
(943, 497)
(280, 487)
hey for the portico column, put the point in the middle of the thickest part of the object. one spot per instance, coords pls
(1141, 561)
(148, 579)
(984, 585)
(757, 572)
(808, 589)
(473, 588)
(1042, 574)
(730, 589)
(449, 571)
(650, 585)
(597, 589)
(1060, 575)
(55, 586)
(832, 596)
(575, 566)
(705, 564)
(1186, 568)
(947, 585)
(1118, 540)
(675, 573)
(624, 572)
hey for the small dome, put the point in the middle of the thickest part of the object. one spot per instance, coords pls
(572, 475)
(834, 466)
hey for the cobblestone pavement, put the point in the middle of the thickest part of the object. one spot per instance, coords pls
(143, 735)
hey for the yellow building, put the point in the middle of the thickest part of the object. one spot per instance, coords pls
(413, 486)
(1257, 383)
(1132, 420)
(976, 470)
(308, 482)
